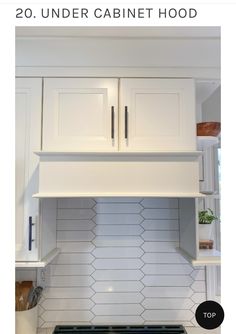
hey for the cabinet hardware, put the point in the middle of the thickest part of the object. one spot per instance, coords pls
(126, 122)
(30, 233)
(112, 122)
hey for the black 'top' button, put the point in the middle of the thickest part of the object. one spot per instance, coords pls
(209, 314)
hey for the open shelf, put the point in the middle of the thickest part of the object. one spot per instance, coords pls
(38, 264)
(205, 257)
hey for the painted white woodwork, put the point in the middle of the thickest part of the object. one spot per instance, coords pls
(48, 236)
(212, 283)
(208, 184)
(159, 115)
(77, 114)
(121, 71)
(201, 169)
(43, 213)
(209, 256)
(206, 257)
(203, 142)
(44, 244)
(39, 264)
(138, 155)
(118, 175)
(107, 52)
(28, 138)
(188, 229)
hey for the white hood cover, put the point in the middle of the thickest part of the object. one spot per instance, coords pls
(163, 174)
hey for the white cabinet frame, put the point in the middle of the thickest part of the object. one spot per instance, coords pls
(35, 244)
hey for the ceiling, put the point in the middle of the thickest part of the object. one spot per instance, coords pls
(116, 32)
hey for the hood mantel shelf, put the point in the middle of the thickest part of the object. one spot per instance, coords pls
(115, 194)
(118, 174)
(119, 154)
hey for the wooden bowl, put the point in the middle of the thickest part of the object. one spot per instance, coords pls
(208, 129)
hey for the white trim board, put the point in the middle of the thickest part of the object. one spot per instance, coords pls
(201, 73)
(79, 176)
(128, 155)
(98, 51)
(38, 264)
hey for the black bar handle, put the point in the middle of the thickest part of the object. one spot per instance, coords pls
(30, 233)
(126, 122)
(112, 123)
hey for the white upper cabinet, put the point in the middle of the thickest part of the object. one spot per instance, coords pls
(157, 115)
(80, 114)
(35, 225)
(28, 139)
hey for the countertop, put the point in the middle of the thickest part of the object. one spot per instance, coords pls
(190, 330)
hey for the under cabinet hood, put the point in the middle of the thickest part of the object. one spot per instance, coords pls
(134, 117)
(158, 174)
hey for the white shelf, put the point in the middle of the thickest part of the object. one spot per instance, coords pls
(71, 195)
(118, 154)
(204, 142)
(38, 264)
(205, 257)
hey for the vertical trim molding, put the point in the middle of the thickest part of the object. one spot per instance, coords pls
(211, 283)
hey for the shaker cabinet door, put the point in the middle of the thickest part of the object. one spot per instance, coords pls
(80, 114)
(157, 115)
(28, 139)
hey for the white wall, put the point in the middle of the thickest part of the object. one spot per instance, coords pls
(211, 108)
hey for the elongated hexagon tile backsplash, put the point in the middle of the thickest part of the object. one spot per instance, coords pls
(119, 265)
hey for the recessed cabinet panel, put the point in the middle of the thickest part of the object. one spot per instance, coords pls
(79, 109)
(162, 109)
(80, 114)
(157, 115)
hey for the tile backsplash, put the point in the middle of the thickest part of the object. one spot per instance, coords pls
(119, 265)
